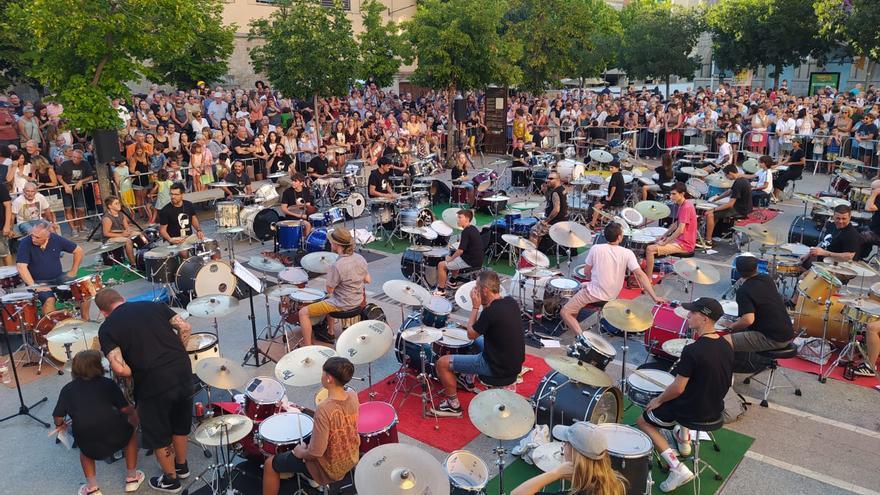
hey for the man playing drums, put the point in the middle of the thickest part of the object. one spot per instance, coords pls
(681, 237)
(39, 261)
(469, 253)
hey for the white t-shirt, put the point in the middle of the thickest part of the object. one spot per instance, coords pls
(785, 129)
(609, 264)
(765, 181)
(724, 154)
(25, 211)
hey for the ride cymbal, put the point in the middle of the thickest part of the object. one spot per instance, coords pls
(579, 371)
(221, 373)
(213, 306)
(698, 272)
(501, 414)
(628, 316)
(223, 430)
(406, 292)
(303, 367)
(652, 210)
(570, 234)
(365, 341)
(400, 469)
(318, 262)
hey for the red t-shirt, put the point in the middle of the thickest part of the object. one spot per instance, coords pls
(687, 216)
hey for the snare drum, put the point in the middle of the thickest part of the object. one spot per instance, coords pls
(202, 345)
(9, 277)
(317, 241)
(557, 292)
(455, 340)
(787, 266)
(592, 348)
(641, 391)
(290, 234)
(282, 432)
(59, 351)
(382, 210)
(436, 311)
(317, 220)
(532, 258)
(262, 397)
(639, 243)
(289, 306)
(334, 215)
(227, 214)
(376, 424)
(21, 303)
(85, 288)
(466, 471)
(630, 452)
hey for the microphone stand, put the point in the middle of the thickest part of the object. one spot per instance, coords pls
(23, 410)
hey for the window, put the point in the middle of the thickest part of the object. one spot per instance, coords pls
(346, 4)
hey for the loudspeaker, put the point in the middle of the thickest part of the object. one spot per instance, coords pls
(460, 110)
(107, 146)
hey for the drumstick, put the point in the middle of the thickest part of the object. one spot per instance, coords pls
(649, 379)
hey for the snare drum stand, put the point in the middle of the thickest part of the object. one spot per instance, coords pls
(23, 409)
(422, 380)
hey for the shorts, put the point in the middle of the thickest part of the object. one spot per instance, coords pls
(457, 264)
(754, 341)
(581, 299)
(540, 230)
(322, 308)
(471, 364)
(127, 197)
(666, 416)
(46, 295)
(4, 246)
(164, 416)
(286, 462)
(725, 214)
(669, 248)
(75, 200)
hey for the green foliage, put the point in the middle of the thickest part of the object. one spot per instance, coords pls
(595, 50)
(658, 39)
(546, 29)
(748, 34)
(459, 43)
(852, 22)
(307, 49)
(382, 48)
(12, 67)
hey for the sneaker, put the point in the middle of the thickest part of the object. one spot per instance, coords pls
(84, 490)
(684, 447)
(182, 470)
(466, 382)
(864, 370)
(165, 484)
(133, 484)
(440, 292)
(677, 477)
(445, 410)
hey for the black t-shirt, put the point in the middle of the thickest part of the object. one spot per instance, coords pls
(559, 192)
(708, 365)
(796, 156)
(741, 190)
(504, 345)
(240, 181)
(281, 163)
(759, 295)
(178, 219)
(95, 406)
(471, 246)
(72, 173)
(847, 240)
(379, 180)
(150, 346)
(619, 185)
(245, 143)
(875, 217)
(319, 165)
(520, 154)
(291, 197)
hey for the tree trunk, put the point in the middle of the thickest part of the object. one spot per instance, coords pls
(667, 88)
(450, 125)
(776, 74)
(317, 118)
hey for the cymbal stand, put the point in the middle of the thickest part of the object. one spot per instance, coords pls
(23, 410)
(551, 394)
(623, 348)
(501, 452)
(848, 352)
(422, 380)
(219, 469)
(28, 347)
(825, 318)
(804, 218)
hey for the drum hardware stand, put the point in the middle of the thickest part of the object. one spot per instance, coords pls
(29, 348)
(23, 410)
(220, 468)
(125, 266)
(255, 350)
(825, 318)
(501, 452)
(623, 348)
(848, 351)
(551, 394)
(422, 380)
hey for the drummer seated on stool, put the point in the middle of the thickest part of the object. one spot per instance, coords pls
(871, 234)
(345, 284)
(605, 267)
(115, 226)
(703, 375)
(845, 244)
(379, 183)
(297, 202)
(498, 335)
(681, 237)
(240, 178)
(616, 193)
(468, 255)
(797, 160)
(333, 449)
(39, 261)
(739, 206)
(556, 210)
(178, 219)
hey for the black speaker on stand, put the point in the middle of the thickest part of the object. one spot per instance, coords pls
(107, 146)
(459, 109)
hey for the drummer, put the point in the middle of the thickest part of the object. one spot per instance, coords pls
(725, 153)
(665, 175)
(297, 202)
(703, 376)
(115, 225)
(468, 254)
(845, 243)
(178, 219)
(459, 174)
(616, 193)
(379, 183)
(605, 267)
(39, 262)
(556, 210)
(871, 234)
(519, 153)
(497, 334)
(681, 237)
(796, 162)
(739, 206)
(763, 187)
(319, 166)
(239, 177)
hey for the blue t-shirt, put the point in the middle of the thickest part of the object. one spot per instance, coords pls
(44, 264)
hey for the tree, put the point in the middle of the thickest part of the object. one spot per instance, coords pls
(748, 34)
(658, 40)
(307, 50)
(382, 49)
(12, 67)
(598, 52)
(852, 22)
(458, 45)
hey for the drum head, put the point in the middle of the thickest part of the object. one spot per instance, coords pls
(656, 375)
(286, 427)
(439, 305)
(375, 416)
(429, 234)
(632, 216)
(16, 297)
(264, 390)
(455, 337)
(564, 283)
(625, 441)
(200, 341)
(185, 277)
(215, 277)
(599, 343)
(536, 258)
(308, 295)
(466, 470)
(441, 228)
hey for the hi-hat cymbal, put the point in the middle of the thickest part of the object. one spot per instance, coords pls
(213, 306)
(579, 371)
(698, 272)
(400, 469)
(806, 198)
(302, 367)
(222, 184)
(525, 205)
(796, 248)
(318, 262)
(694, 172)
(674, 347)
(103, 248)
(628, 316)
(223, 430)
(601, 156)
(294, 275)
(406, 292)
(365, 341)
(501, 414)
(265, 264)
(220, 372)
(860, 268)
(570, 234)
(652, 210)
(518, 242)
(413, 230)
(281, 290)
(463, 295)
(421, 335)
(229, 231)
(548, 456)
(868, 306)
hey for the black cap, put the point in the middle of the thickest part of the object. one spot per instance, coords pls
(384, 160)
(746, 264)
(707, 306)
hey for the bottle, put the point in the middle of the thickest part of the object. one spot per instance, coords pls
(849, 372)
(5, 376)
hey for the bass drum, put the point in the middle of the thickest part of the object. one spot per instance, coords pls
(415, 263)
(812, 234)
(185, 278)
(576, 402)
(352, 203)
(630, 452)
(215, 277)
(259, 222)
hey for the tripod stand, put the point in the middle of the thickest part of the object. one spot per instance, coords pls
(23, 410)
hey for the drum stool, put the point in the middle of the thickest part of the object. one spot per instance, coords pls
(464, 276)
(595, 309)
(695, 428)
(786, 352)
(346, 318)
(345, 485)
(505, 382)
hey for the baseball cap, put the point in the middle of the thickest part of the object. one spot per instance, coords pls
(706, 306)
(747, 264)
(584, 437)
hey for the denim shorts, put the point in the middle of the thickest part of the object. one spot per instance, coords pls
(471, 364)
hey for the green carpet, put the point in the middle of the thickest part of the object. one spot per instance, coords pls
(733, 447)
(116, 272)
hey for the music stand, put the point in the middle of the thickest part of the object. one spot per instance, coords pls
(23, 409)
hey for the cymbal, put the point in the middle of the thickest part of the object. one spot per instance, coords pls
(570, 234)
(103, 248)
(673, 347)
(222, 184)
(496, 198)
(695, 172)
(220, 372)
(869, 306)
(276, 175)
(229, 231)
(628, 316)
(860, 268)
(365, 341)
(419, 248)
(421, 335)
(406, 292)
(413, 230)
(281, 290)
(719, 182)
(501, 414)
(265, 264)
(463, 295)
(318, 262)
(751, 154)
(760, 233)
(302, 367)
(76, 334)
(698, 272)
(832, 203)
(213, 306)
(400, 469)
(695, 148)
(525, 205)
(537, 272)
(750, 166)
(850, 161)
(807, 198)
(294, 275)
(548, 456)
(536, 258)
(579, 371)
(796, 248)
(838, 270)
(223, 430)
(601, 156)
(652, 210)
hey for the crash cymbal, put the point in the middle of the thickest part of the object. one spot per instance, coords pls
(463, 295)
(695, 148)
(400, 469)
(719, 182)
(762, 234)
(548, 456)
(838, 270)
(854, 162)
(698, 272)
(421, 335)
(223, 430)
(213, 306)
(406, 292)
(496, 198)
(832, 203)
(796, 248)
(869, 306)
(518, 242)
(807, 198)
(280, 290)
(694, 172)
(222, 184)
(413, 230)
(365, 341)
(601, 156)
(318, 262)
(525, 205)
(731, 308)
(628, 316)
(294, 275)
(74, 333)
(652, 210)
(103, 248)
(265, 264)
(750, 166)
(570, 234)
(536, 272)
(673, 347)
(302, 367)
(221, 373)
(229, 231)
(579, 371)
(501, 414)
(860, 268)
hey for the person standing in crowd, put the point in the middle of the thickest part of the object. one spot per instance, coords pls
(75, 175)
(30, 207)
(7, 219)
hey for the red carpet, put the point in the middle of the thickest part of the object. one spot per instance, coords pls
(758, 215)
(454, 433)
(808, 367)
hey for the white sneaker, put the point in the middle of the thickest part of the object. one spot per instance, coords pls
(684, 448)
(677, 477)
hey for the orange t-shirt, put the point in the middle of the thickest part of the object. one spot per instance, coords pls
(334, 448)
